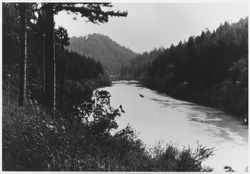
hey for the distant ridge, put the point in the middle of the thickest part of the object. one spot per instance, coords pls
(112, 55)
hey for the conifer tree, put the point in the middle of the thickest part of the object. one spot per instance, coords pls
(94, 12)
(23, 56)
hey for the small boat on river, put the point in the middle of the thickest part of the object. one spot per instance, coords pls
(141, 95)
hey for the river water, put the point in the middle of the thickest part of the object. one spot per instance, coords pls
(158, 117)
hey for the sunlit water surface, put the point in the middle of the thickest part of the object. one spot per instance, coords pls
(158, 117)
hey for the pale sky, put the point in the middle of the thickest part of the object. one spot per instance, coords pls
(150, 25)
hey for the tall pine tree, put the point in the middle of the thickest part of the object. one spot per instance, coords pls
(23, 56)
(94, 12)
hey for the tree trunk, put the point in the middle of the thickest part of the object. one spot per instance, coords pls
(23, 57)
(43, 67)
(49, 97)
(54, 79)
(60, 71)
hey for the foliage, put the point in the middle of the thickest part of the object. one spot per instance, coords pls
(228, 169)
(235, 88)
(94, 12)
(80, 67)
(173, 159)
(61, 37)
(79, 91)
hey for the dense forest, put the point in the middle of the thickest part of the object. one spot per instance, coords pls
(70, 66)
(210, 69)
(112, 55)
(52, 120)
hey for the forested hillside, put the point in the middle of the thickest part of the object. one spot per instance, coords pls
(112, 55)
(211, 69)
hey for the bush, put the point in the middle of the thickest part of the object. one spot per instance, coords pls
(173, 159)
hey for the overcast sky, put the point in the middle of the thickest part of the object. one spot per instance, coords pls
(150, 25)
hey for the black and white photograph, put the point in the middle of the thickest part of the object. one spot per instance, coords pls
(125, 86)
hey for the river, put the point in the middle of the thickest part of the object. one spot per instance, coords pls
(158, 117)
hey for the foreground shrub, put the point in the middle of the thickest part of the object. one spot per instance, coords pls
(171, 158)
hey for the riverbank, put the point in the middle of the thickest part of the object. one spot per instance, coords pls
(36, 140)
(210, 69)
(230, 99)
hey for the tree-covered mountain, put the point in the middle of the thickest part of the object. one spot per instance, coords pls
(211, 68)
(112, 55)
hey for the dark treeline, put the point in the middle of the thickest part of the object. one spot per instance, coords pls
(80, 67)
(210, 69)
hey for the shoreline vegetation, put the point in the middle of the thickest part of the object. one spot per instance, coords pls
(36, 140)
(210, 69)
